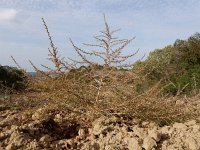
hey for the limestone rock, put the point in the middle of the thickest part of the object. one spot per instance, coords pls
(46, 138)
(133, 144)
(155, 134)
(180, 126)
(58, 118)
(140, 132)
(191, 123)
(149, 143)
(192, 144)
(81, 132)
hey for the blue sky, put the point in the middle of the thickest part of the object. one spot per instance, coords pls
(154, 23)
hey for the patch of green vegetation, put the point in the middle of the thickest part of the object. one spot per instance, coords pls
(12, 78)
(176, 66)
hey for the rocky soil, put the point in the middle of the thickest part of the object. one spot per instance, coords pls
(57, 130)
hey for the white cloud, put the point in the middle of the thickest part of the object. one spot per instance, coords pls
(7, 14)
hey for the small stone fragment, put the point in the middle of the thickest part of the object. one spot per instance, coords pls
(133, 144)
(155, 135)
(192, 144)
(149, 143)
(180, 126)
(196, 128)
(46, 138)
(81, 132)
(191, 122)
(58, 118)
(140, 132)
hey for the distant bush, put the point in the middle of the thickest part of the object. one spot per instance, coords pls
(12, 78)
(187, 83)
(176, 66)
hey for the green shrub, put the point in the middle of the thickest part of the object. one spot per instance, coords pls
(186, 83)
(12, 78)
(176, 67)
(154, 68)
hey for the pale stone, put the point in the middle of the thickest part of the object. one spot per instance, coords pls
(109, 147)
(46, 138)
(180, 126)
(192, 144)
(196, 128)
(36, 116)
(119, 136)
(14, 127)
(191, 122)
(152, 124)
(140, 132)
(155, 135)
(81, 132)
(58, 118)
(133, 144)
(113, 119)
(98, 128)
(165, 129)
(149, 143)
(33, 145)
(145, 123)
(180, 102)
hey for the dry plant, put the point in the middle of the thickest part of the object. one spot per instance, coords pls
(109, 49)
(101, 88)
(163, 110)
(89, 84)
(61, 66)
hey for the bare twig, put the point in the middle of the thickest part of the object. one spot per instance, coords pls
(107, 50)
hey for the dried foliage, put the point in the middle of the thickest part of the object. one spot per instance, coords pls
(108, 50)
(92, 89)
(61, 66)
(94, 77)
(84, 95)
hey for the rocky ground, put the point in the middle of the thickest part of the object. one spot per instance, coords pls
(28, 130)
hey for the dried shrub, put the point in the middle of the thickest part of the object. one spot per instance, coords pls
(108, 50)
(102, 88)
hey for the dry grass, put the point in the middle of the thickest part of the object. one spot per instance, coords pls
(116, 97)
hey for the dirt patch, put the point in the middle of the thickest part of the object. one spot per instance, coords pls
(60, 130)
(23, 130)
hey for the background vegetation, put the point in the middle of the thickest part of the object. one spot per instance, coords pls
(176, 66)
(12, 78)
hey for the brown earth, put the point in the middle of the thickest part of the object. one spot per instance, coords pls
(57, 130)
